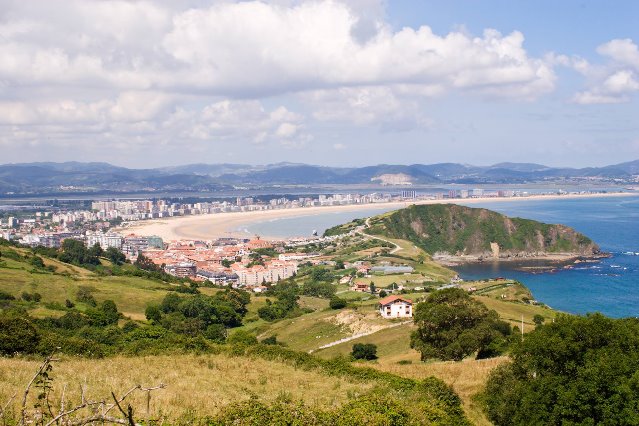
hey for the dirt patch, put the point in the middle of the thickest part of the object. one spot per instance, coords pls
(358, 322)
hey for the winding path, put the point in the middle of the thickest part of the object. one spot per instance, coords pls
(368, 225)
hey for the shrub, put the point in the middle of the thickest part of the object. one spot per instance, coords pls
(17, 335)
(271, 340)
(85, 295)
(6, 296)
(367, 351)
(242, 338)
(216, 333)
(153, 313)
(337, 303)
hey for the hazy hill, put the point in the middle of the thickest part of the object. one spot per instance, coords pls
(460, 230)
(48, 177)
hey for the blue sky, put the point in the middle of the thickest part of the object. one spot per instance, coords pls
(342, 82)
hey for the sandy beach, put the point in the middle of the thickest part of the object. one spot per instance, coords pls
(211, 226)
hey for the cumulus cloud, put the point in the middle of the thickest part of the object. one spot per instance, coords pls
(389, 109)
(615, 81)
(248, 49)
(129, 72)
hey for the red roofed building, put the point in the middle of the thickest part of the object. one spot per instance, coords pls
(396, 307)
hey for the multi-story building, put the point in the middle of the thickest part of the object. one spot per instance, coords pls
(104, 240)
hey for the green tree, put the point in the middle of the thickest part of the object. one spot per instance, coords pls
(383, 293)
(17, 335)
(336, 303)
(538, 320)
(96, 250)
(115, 256)
(146, 264)
(451, 326)
(153, 313)
(367, 351)
(37, 262)
(576, 370)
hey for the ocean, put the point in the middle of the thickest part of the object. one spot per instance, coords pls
(610, 286)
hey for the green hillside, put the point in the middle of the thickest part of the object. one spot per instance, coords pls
(457, 230)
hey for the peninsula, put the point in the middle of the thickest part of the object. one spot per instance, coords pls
(453, 234)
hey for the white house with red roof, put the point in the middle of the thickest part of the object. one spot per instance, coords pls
(396, 307)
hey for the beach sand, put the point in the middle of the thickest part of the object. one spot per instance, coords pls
(212, 226)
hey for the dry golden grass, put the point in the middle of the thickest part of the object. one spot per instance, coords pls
(196, 385)
(467, 377)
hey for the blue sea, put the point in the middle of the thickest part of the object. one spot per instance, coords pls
(610, 286)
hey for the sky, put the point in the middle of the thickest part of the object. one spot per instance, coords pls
(340, 83)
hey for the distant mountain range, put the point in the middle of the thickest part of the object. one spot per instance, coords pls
(46, 177)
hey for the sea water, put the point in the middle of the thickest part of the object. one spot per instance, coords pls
(610, 286)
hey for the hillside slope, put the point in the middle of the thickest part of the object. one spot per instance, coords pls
(462, 231)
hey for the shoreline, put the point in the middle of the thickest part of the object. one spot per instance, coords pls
(217, 225)
(549, 260)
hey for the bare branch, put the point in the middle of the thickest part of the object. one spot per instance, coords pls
(4, 408)
(42, 368)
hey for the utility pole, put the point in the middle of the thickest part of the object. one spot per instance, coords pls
(522, 327)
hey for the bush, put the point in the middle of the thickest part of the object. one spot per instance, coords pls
(31, 297)
(367, 351)
(85, 295)
(153, 313)
(337, 303)
(216, 333)
(271, 340)
(242, 338)
(17, 335)
(6, 296)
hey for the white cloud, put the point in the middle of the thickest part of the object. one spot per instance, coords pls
(177, 74)
(368, 106)
(615, 81)
(250, 49)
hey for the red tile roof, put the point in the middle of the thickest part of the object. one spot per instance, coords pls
(390, 299)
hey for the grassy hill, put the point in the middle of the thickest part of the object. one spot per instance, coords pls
(215, 381)
(454, 229)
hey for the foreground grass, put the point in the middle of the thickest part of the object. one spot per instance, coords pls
(197, 386)
(467, 378)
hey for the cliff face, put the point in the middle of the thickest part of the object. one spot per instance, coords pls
(462, 231)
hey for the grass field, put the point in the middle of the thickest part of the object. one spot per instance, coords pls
(195, 385)
(467, 378)
(130, 294)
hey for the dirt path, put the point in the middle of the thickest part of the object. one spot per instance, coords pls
(357, 336)
(368, 225)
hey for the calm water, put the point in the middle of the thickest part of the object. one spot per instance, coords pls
(611, 286)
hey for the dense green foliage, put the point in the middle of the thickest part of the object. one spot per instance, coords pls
(17, 335)
(576, 370)
(451, 325)
(458, 229)
(75, 252)
(337, 303)
(193, 315)
(285, 305)
(178, 323)
(367, 351)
